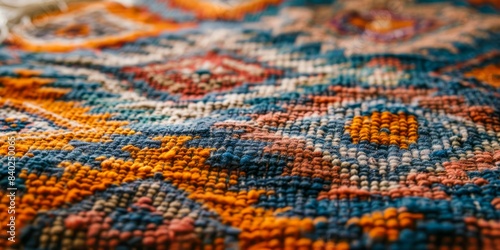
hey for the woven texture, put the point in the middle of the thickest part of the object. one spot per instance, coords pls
(260, 124)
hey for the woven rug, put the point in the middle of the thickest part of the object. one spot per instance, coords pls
(260, 124)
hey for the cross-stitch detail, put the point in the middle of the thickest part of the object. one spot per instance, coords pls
(269, 125)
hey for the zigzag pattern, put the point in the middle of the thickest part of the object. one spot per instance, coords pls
(252, 125)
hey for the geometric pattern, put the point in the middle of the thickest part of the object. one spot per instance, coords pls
(88, 26)
(384, 129)
(267, 125)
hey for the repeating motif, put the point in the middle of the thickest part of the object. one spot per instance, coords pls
(253, 125)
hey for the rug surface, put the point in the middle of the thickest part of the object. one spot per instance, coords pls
(260, 124)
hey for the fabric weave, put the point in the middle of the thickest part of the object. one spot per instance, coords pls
(259, 124)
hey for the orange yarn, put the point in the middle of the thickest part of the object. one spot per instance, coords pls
(402, 129)
(150, 26)
(213, 11)
(489, 74)
(386, 225)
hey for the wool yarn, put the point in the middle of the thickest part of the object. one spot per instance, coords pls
(260, 124)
